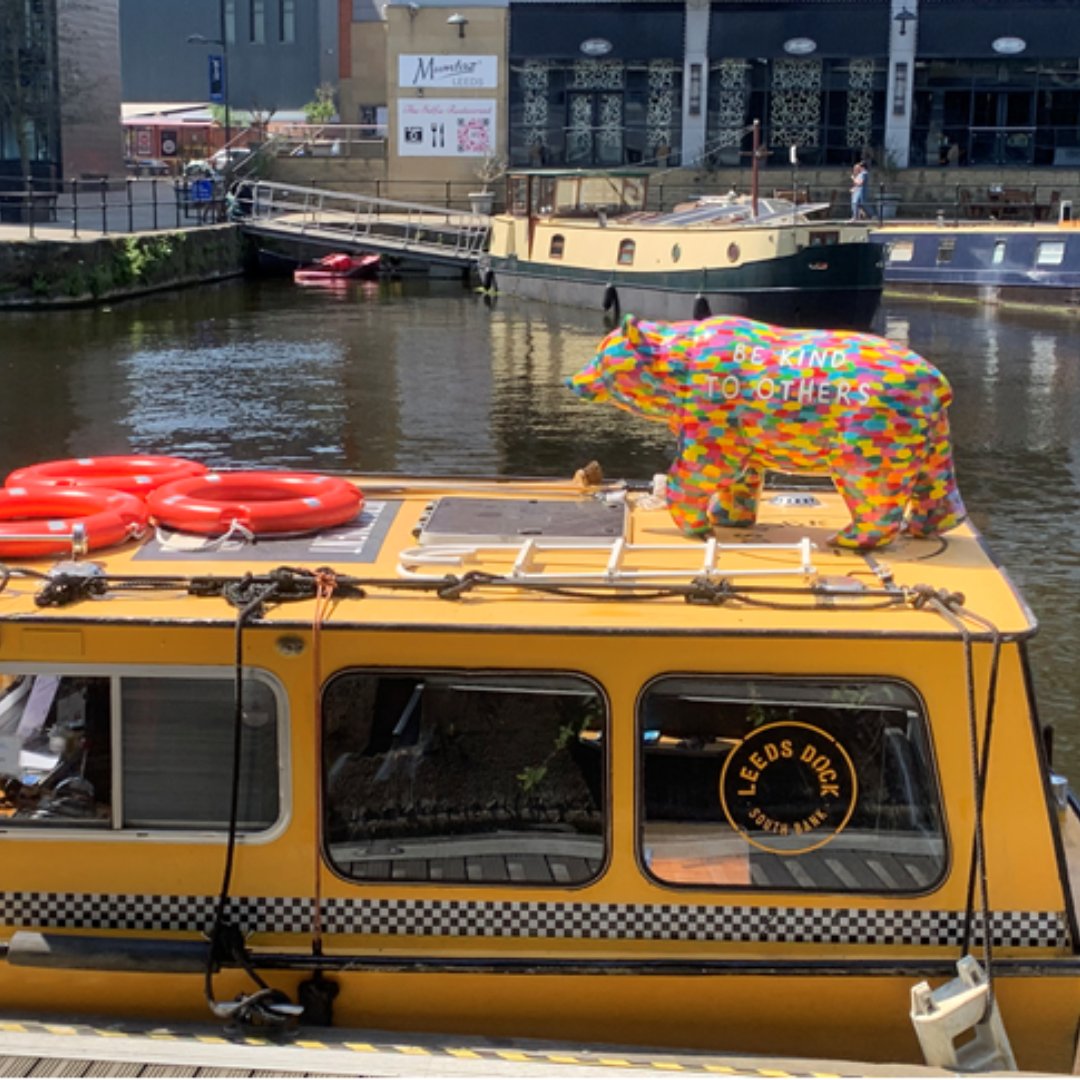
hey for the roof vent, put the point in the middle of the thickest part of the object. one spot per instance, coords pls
(464, 520)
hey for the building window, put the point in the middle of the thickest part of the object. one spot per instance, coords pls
(230, 21)
(626, 253)
(558, 242)
(173, 737)
(288, 21)
(257, 27)
(455, 777)
(823, 786)
(1050, 253)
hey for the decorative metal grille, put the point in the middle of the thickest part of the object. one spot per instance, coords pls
(731, 102)
(610, 135)
(597, 75)
(660, 111)
(796, 103)
(535, 76)
(579, 132)
(860, 103)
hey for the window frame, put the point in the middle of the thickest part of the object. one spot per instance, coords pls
(115, 830)
(416, 671)
(933, 780)
(627, 251)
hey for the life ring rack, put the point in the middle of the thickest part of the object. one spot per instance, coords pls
(135, 474)
(38, 519)
(262, 503)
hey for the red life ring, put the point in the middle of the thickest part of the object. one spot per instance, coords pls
(261, 502)
(37, 510)
(135, 475)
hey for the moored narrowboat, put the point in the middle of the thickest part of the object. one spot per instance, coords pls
(1000, 263)
(522, 758)
(587, 239)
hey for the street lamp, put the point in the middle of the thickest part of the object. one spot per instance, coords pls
(222, 40)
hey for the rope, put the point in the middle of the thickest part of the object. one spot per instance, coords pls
(326, 588)
(950, 607)
(226, 940)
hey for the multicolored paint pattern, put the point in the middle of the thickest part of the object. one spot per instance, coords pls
(743, 397)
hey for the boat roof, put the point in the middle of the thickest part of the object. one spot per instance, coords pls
(541, 555)
(621, 171)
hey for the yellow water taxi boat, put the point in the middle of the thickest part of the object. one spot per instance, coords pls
(517, 758)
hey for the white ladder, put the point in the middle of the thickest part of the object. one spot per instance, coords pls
(704, 562)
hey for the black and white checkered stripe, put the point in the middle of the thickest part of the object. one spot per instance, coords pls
(530, 920)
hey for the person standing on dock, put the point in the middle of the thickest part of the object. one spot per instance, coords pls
(859, 178)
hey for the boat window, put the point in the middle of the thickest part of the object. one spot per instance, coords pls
(777, 784)
(626, 253)
(557, 244)
(173, 738)
(945, 250)
(901, 251)
(998, 256)
(820, 238)
(1050, 253)
(463, 778)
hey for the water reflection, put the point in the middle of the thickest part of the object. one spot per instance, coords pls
(429, 378)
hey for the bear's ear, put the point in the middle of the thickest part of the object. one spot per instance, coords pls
(642, 336)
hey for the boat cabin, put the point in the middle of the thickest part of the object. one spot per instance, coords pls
(517, 758)
(575, 193)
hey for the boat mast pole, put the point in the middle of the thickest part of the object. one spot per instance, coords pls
(755, 159)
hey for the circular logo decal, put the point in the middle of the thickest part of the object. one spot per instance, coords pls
(1009, 46)
(800, 46)
(788, 788)
(596, 46)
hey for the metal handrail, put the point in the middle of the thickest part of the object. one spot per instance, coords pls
(366, 219)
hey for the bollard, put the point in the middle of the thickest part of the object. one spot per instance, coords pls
(74, 207)
(130, 206)
(104, 206)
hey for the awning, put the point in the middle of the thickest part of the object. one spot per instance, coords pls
(634, 31)
(1021, 30)
(820, 30)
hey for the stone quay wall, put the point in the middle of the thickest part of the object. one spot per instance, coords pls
(54, 272)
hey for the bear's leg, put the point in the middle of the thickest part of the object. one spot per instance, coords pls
(876, 506)
(688, 491)
(936, 505)
(735, 505)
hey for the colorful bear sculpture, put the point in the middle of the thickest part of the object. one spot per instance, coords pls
(743, 397)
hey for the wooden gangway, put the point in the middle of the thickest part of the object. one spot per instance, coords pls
(344, 221)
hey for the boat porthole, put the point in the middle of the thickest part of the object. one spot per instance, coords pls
(733, 252)
(701, 308)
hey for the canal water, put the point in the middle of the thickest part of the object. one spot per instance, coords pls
(429, 377)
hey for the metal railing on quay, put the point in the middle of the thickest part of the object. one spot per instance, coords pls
(107, 206)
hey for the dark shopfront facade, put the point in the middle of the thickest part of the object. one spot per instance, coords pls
(949, 82)
(1000, 82)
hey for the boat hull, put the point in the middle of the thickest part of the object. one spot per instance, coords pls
(837, 286)
(1002, 265)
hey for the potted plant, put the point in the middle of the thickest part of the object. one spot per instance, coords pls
(492, 166)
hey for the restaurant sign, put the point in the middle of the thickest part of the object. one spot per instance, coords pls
(448, 72)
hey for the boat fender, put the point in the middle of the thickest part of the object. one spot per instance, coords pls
(488, 281)
(701, 308)
(611, 302)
